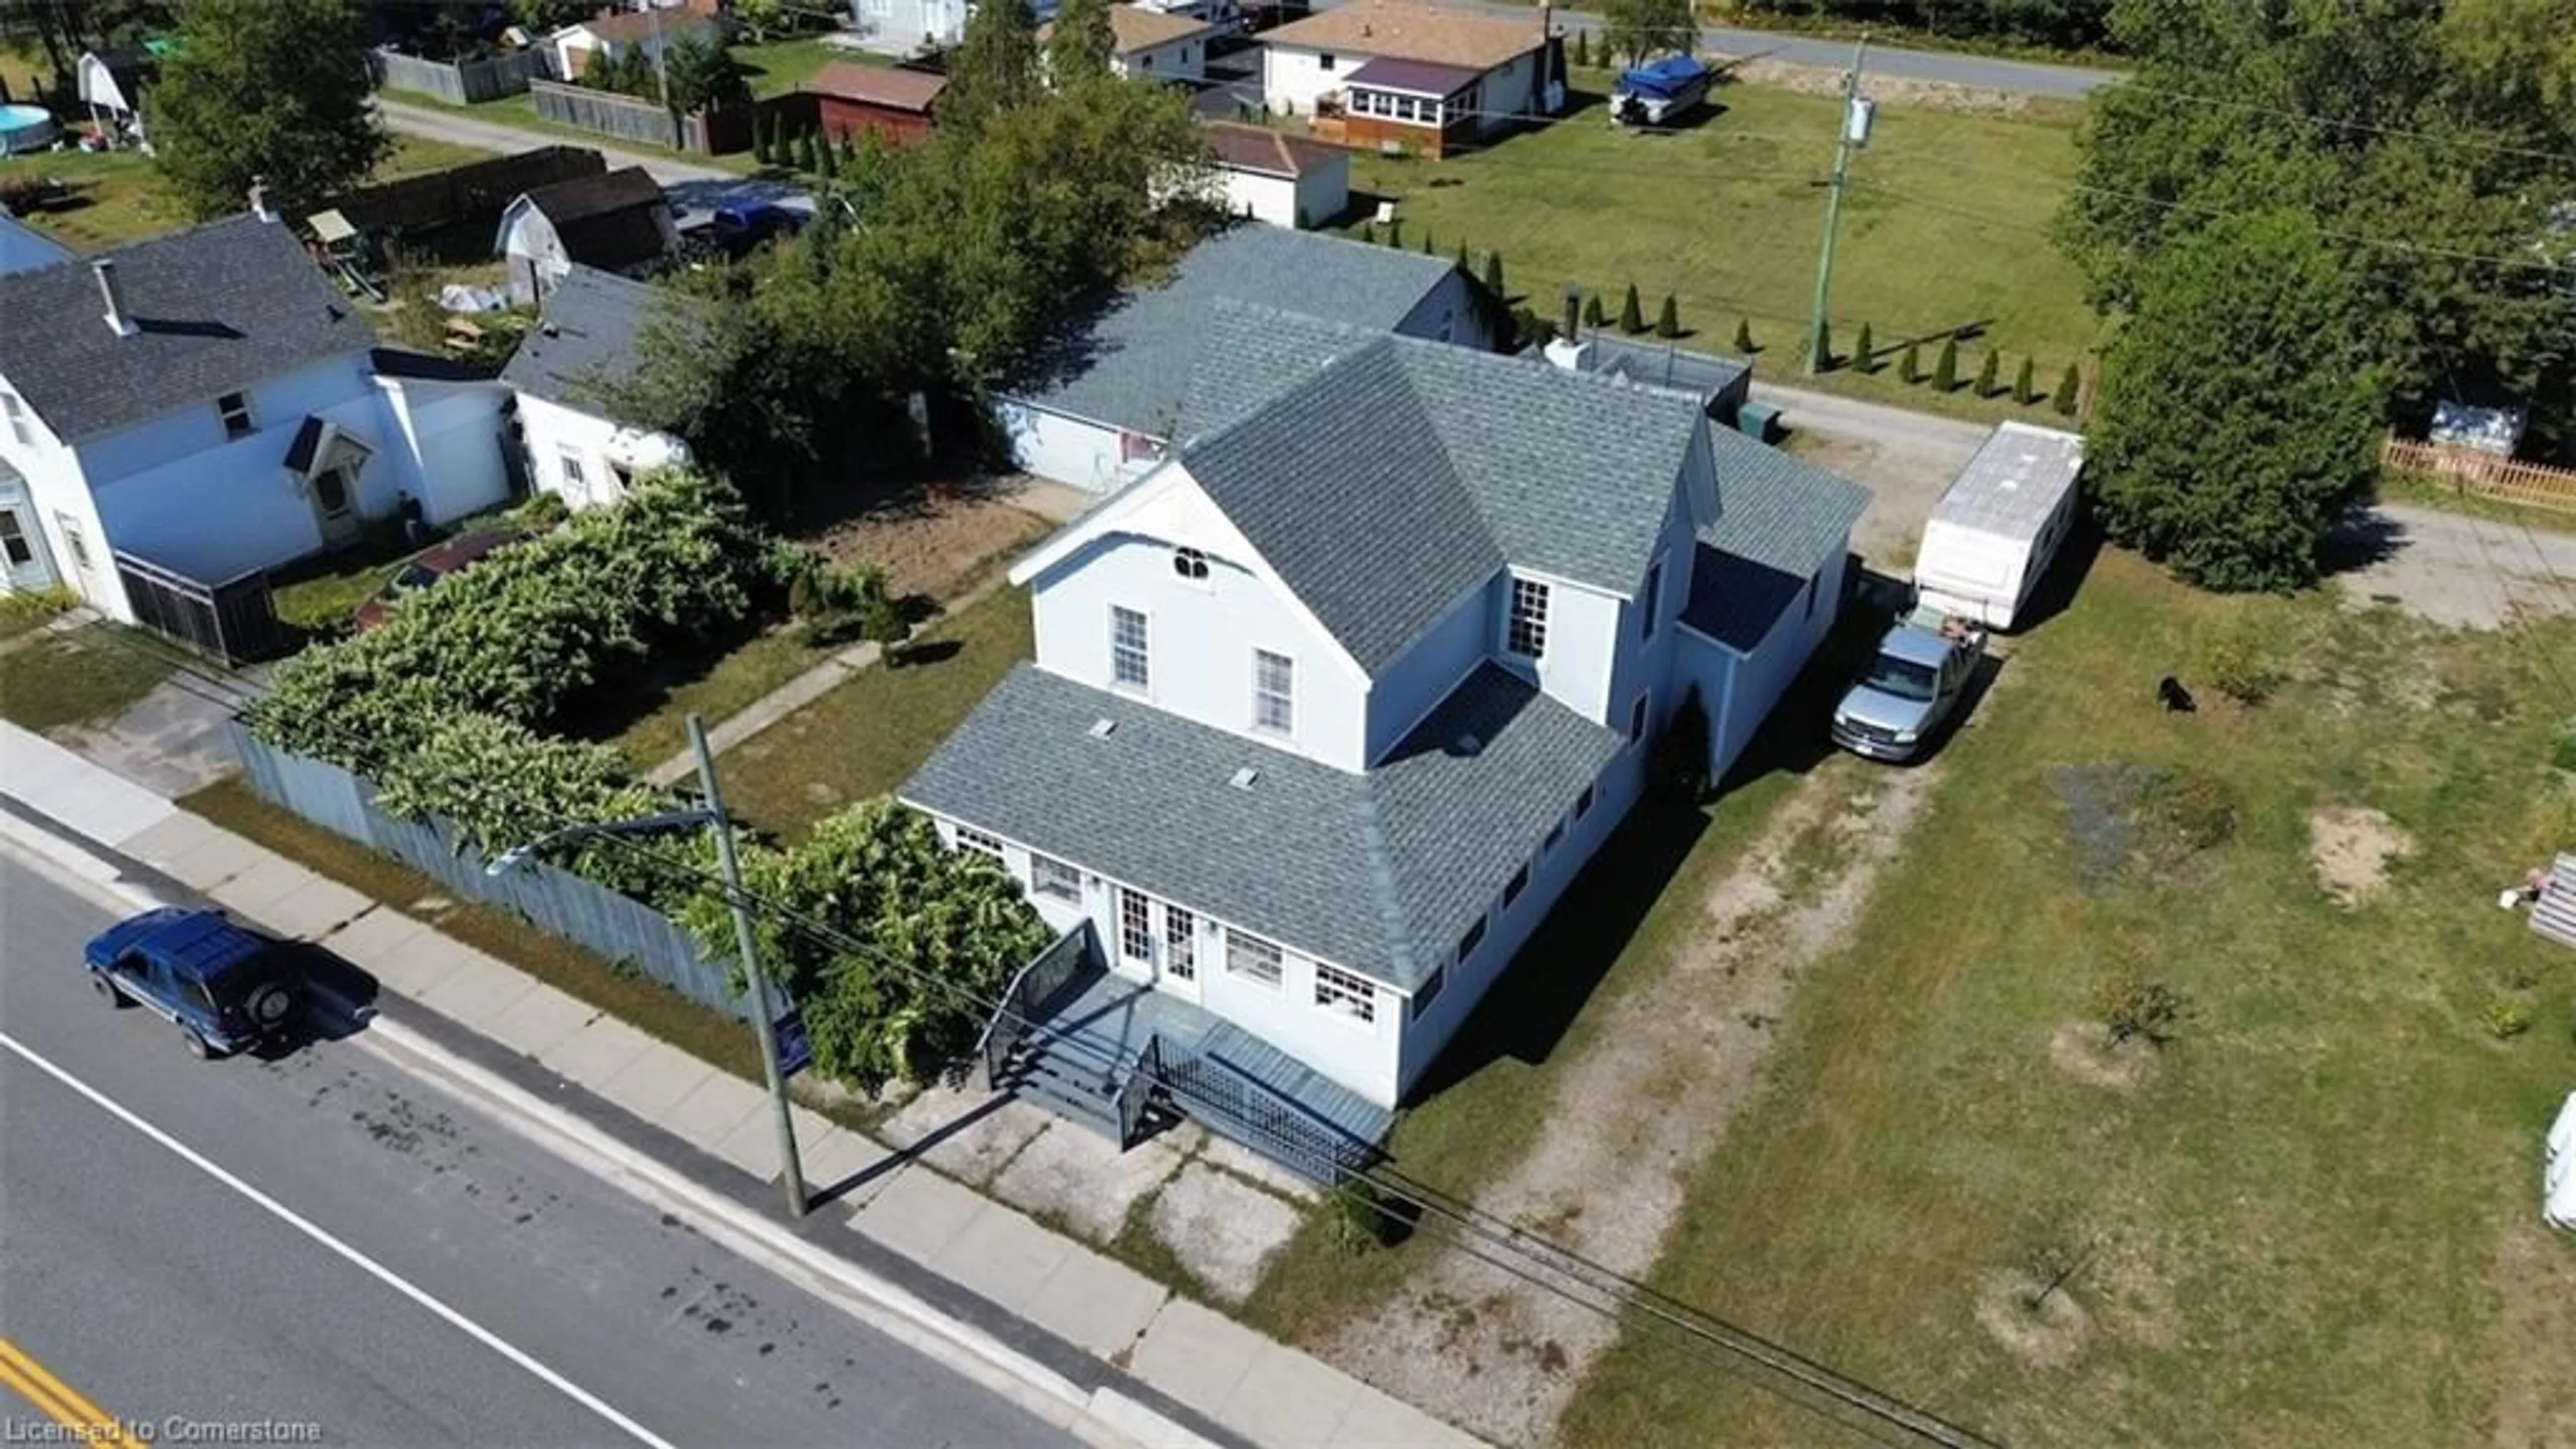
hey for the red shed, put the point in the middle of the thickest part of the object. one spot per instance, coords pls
(894, 102)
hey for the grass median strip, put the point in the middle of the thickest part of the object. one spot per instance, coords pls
(82, 676)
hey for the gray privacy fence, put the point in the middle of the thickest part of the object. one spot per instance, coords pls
(462, 82)
(616, 927)
(608, 113)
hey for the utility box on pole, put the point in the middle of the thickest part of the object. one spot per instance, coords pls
(1857, 120)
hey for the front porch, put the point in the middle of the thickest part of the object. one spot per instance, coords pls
(1128, 1060)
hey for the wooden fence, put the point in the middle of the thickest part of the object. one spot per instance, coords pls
(721, 131)
(2484, 475)
(462, 82)
(622, 930)
(473, 192)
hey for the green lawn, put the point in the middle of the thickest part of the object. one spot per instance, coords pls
(118, 197)
(2311, 1219)
(865, 737)
(1727, 215)
(87, 676)
(21, 613)
(784, 65)
(727, 686)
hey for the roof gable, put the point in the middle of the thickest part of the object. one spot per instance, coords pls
(216, 309)
(589, 329)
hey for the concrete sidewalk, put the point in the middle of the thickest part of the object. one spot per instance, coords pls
(1240, 1381)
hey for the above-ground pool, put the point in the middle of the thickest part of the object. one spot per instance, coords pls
(25, 128)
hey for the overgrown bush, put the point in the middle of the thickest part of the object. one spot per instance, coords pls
(912, 938)
(2240, 668)
(2148, 1011)
(2506, 1018)
(1354, 1219)
(542, 513)
(2562, 748)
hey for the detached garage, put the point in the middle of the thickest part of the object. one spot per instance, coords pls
(1278, 178)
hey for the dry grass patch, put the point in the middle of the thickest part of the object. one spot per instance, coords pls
(2352, 847)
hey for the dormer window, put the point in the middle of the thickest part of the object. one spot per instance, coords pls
(1526, 632)
(1190, 564)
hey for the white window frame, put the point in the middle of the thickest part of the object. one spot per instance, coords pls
(1652, 601)
(1135, 925)
(1068, 888)
(1345, 994)
(971, 839)
(17, 414)
(236, 418)
(1181, 942)
(14, 540)
(1191, 565)
(74, 544)
(1525, 618)
(1273, 975)
(1266, 700)
(1143, 683)
(568, 463)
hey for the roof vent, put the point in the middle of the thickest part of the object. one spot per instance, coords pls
(1244, 777)
(1102, 728)
(1467, 745)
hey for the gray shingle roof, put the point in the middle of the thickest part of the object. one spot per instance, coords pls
(1384, 477)
(1131, 367)
(1381, 872)
(1777, 519)
(218, 308)
(588, 330)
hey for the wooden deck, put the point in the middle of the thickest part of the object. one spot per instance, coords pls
(1216, 1073)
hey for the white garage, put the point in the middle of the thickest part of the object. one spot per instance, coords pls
(1278, 178)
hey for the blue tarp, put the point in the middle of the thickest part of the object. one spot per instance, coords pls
(1671, 76)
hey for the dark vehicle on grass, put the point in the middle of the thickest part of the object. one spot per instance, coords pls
(427, 568)
(227, 989)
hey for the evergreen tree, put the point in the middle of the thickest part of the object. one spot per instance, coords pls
(1632, 316)
(1582, 48)
(1986, 376)
(1460, 262)
(1426, 241)
(1593, 316)
(1744, 335)
(1865, 351)
(1910, 367)
(994, 68)
(1395, 233)
(1494, 273)
(2023, 388)
(2067, 388)
(1368, 231)
(1945, 372)
(1668, 322)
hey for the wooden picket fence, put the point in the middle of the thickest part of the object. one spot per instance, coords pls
(2484, 475)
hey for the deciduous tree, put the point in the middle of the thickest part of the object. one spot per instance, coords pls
(1079, 42)
(1641, 29)
(270, 89)
(994, 69)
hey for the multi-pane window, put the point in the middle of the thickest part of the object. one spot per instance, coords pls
(234, 409)
(977, 841)
(1429, 991)
(17, 412)
(1651, 602)
(1468, 943)
(1180, 943)
(1339, 990)
(1135, 925)
(572, 474)
(1127, 648)
(1049, 876)
(1252, 957)
(1527, 632)
(1518, 883)
(13, 540)
(1637, 719)
(1274, 691)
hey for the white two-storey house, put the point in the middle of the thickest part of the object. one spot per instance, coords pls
(207, 403)
(1330, 707)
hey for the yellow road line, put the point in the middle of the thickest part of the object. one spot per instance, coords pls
(61, 1402)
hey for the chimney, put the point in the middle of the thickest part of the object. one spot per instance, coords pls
(259, 206)
(1572, 327)
(113, 296)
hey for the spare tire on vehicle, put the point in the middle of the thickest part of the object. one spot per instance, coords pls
(270, 1005)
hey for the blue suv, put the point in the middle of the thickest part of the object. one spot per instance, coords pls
(225, 988)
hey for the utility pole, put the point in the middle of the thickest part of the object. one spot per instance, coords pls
(1854, 132)
(746, 940)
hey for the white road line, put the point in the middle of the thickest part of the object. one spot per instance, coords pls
(370, 1266)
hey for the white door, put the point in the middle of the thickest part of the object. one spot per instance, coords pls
(24, 563)
(1156, 943)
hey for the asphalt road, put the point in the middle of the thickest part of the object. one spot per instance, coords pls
(152, 1288)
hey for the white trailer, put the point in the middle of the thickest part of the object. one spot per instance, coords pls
(1994, 531)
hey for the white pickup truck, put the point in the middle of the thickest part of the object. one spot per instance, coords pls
(1913, 685)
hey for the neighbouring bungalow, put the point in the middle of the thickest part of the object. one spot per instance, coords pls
(652, 31)
(1275, 177)
(1386, 75)
(895, 104)
(576, 444)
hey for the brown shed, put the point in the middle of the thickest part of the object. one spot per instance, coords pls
(895, 103)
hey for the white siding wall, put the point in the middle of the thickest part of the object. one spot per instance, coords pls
(528, 241)
(1291, 78)
(1324, 191)
(452, 432)
(1177, 60)
(1507, 930)
(1581, 648)
(1415, 681)
(1647, 663)
(1448, 314)
(1263, 198)
(1360, 1055)
(50, 475)
(554, 432)
(1200, 638)
(1069, 450)
(1509, 91)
